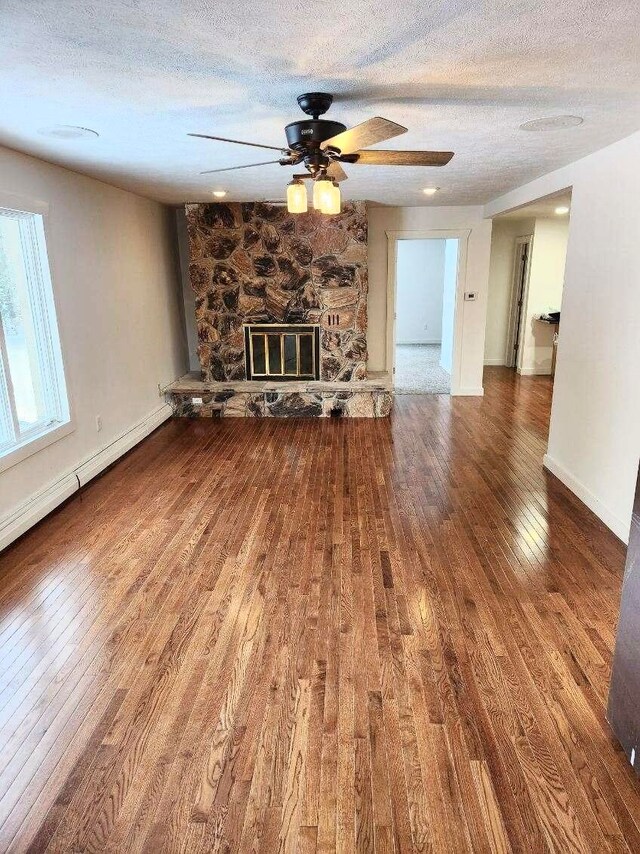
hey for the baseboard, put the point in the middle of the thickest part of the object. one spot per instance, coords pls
(534, 372)
(613, 522)
(36, 507)
(469, 391)
(18, 521)
(108, 455)
(494, 361)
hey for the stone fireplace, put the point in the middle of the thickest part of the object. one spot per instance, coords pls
(281, 300)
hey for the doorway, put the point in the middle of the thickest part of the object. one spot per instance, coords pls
(425, 275)
(526, 280)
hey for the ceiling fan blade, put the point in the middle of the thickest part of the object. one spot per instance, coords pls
(335, 171)
(365, 134)
(239, 142)
(232, 168)
(404, 158)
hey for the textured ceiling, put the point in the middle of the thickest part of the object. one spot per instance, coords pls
(460, 74)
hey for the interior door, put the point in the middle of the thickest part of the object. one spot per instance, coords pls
(519, 290)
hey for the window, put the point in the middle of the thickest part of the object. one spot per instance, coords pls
(33, 396)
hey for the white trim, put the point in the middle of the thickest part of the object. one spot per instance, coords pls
(32, 445)
(535, 372)
(36, 507)
(462, 236)
(470, 391)
(32, 511)
(108, 455)
(620, 529)
(494, 362)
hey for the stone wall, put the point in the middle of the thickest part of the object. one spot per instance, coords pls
(256, 263)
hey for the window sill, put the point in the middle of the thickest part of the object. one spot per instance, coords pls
(32, 446)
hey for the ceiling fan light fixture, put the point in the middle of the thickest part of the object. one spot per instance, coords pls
(296, 197)
(332, 200)
(322, 188)
(321, 145)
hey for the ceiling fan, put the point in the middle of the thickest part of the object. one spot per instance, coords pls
(322, 145)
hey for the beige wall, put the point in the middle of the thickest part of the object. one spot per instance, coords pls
(188, 296)
(472, 314)
(114, 273)
(546, 278)
(503, 236)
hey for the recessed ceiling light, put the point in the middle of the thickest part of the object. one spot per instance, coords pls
(563, 209)
(429, 191)
(219, 194)
(552, 123)
(68, 132)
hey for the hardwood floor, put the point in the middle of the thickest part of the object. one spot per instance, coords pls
(318, 635)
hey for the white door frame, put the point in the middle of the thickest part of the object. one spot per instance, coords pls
(510, 359)
(462, 236)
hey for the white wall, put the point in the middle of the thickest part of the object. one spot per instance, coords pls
(594, 440)
(114, 273)
(546, 279)
(448, 303)
(471, 319)
(503, 236)
(420, 281)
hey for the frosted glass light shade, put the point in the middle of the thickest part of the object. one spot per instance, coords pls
(296, 197)
(331, 200)
(321, 193)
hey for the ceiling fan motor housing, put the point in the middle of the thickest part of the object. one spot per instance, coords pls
(307, 134)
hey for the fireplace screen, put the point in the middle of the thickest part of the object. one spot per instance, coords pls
(282, 352)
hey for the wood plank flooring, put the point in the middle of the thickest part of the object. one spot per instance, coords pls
(317, 636)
